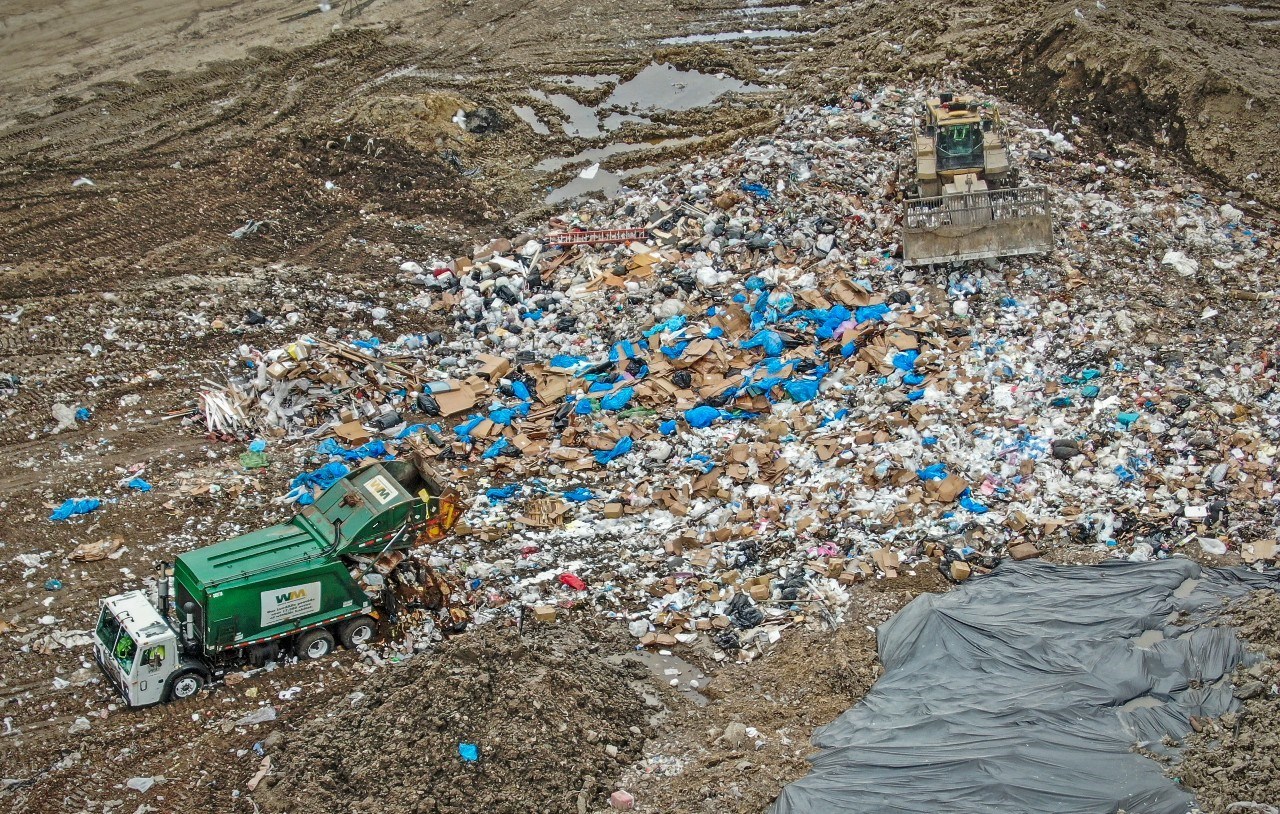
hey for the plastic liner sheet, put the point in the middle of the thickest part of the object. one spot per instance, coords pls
(1026, 691)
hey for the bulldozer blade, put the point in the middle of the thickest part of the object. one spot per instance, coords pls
(976, 225)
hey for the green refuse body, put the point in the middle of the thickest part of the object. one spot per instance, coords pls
(286, 586)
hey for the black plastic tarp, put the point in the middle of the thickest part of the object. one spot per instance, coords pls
(1027, 691)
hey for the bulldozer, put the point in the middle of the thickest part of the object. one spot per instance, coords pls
(962, 199)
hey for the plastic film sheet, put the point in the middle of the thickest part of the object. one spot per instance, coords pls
(1026, 690)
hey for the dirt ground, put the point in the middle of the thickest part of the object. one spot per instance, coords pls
(332, 132)
(1232, 760)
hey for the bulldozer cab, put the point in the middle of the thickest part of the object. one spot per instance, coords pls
(959, 147)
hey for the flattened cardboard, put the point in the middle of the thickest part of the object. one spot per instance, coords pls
(352, 432)
(457, 400)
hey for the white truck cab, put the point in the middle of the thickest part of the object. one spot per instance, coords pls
(138, 650)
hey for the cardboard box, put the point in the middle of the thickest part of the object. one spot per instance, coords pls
(946, 490)
(492, 367)
(960, 570)
(544, 613)
(888, 560)
(613, 510)
(352, 432)
(458, 399)
(1023, 551)
(1259, 550)
(760, 593)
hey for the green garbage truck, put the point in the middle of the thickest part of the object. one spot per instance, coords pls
(300, 587)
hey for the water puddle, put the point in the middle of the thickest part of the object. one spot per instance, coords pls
(731, 36)
(1141, 702)
(587, 82)
(530, 117)
(582, 121)
(614, 121)
(1148, 637)
(656, 87)
(593, 179)
(598, 154)
(665, 87)
(757, 11)
(675, 672)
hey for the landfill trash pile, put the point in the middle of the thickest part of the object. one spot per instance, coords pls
(994, 698)
(715, 431)
(500, 723)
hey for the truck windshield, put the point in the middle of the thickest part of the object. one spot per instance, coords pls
(960, 147)
(118, 643)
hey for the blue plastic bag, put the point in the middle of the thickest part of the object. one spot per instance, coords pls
(801, 389)
(757, 190)
(73, 506)
(502, 492)
(567, 362)
(667, 428)
(604, 456)
(971, 504)
(579, 495)
(623, 350)
(701, 417)
(503, 416)
(935, 472)
(869, 312)
(906, 360)
(675, 351)
(521, 391)
(139, 484)
(495, 449)
(770, 341)
(463, 431)
(673, 324)
(373, 449)
(324, 477)
(618, 400)
(468, 752)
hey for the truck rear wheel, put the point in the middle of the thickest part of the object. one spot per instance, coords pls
(314, 644)
(184, 685)
(357, 631)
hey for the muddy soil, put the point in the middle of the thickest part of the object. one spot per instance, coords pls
(550, 718)
(1233, 760)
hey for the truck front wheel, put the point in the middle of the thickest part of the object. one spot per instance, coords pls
(184, 685)
(314, 644)
(355, 632)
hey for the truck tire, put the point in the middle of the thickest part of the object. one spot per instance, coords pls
(314, 644)
(355, 632)
(184, 685)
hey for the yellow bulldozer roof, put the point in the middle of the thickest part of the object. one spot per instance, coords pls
(960, 110)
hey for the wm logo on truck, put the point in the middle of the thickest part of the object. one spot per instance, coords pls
(290, 602)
